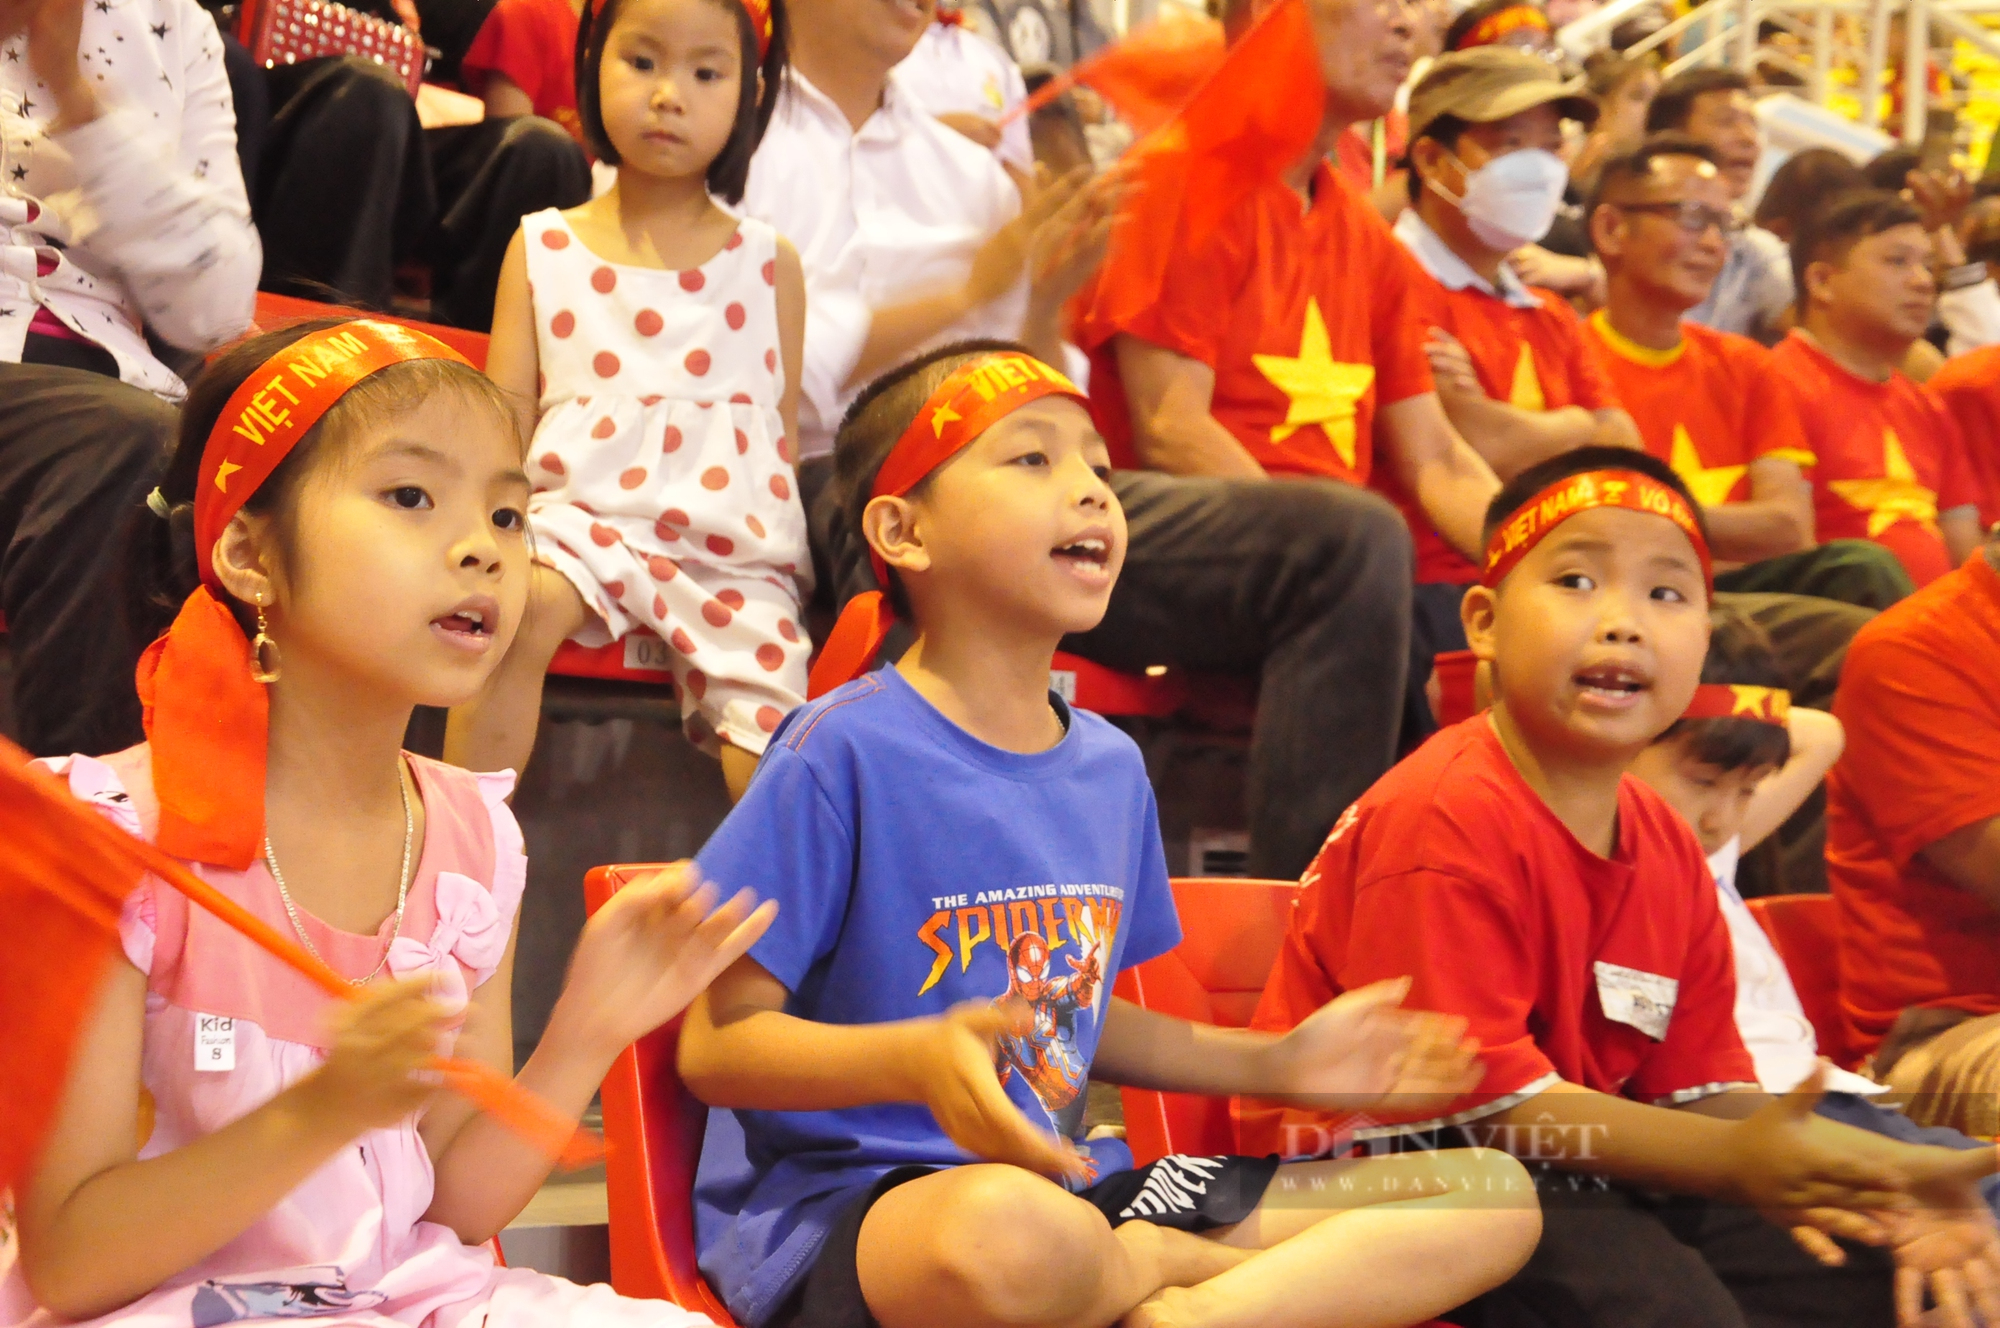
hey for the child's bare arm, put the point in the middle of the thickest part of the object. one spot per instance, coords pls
(740, 1049)
(99, 1228)
(512, 360)
(1817, 740)
(639, 962)
(791, 279)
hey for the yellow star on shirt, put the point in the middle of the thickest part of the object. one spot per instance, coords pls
(1322, 390)
(1527, 391)
(1710, 485)
(1895, 497)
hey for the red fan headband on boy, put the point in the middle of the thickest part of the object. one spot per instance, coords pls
(1541, 514)
(975, 396)
(1721, 700)
(1496, 27)
(205, 716)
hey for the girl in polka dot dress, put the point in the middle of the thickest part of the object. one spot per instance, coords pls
(659, 338)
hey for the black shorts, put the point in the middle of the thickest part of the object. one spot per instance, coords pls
(1185, 1193)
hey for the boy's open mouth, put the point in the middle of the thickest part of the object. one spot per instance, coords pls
(1614, 683)
(1089, 550)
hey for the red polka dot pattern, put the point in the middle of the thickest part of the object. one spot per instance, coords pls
(715, 478)
(698, 362)
(788, 630)
(604, 428)
(721, 545)
(780, 489)
(670, 441)
(615, 589)
(666, 533)
(771, 360)
(756, 526)
(632, 478)
(647, 323)
(735, 317)
(697, 681)
(717, 614)
(768, 718)
(602, 536)
(771, 657)
(603, 280)
(552, 464)
(675, 516)
(606, 364)
(659, 608)
(692, 280)
(771, 272)
(663, 569)
(555, 239)
(740, 399)
(684, 643)
(742, 443)
(651, 399)
(562, 324)
(733, 598)
(734, 241)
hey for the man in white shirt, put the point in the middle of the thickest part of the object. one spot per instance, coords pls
(969, 83)
(122, 214)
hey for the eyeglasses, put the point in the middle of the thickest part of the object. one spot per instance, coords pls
(1692, 217)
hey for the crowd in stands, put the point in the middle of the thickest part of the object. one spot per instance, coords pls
(802, 307)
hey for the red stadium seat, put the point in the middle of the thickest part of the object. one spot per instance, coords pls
(1806, 931)
(652, 1132)
(1230, 934)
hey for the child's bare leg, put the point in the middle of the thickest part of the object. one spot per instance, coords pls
(496, 729)
(1368, 1256)
(737, 767)
(989, 1246)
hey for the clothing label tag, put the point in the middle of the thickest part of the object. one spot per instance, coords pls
(1063, 683)
(1638, 998)
(214, 1042)
(645, 651)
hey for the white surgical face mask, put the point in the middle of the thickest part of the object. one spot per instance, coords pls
(1512, 199)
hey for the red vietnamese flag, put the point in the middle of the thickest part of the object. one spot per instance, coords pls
(1253, 119)
(1147, 76)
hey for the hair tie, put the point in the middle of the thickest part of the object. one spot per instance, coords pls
(156, 503)
(205, 716)
(1717, 700)
(1533, 520)
(972, 398)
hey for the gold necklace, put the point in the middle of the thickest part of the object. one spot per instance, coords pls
(402, 888)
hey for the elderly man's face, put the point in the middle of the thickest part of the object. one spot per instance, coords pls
(1366, 48)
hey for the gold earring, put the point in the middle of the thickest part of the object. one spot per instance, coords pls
(260, 646)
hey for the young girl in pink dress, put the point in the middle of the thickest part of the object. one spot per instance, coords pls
(659, 338)
(232, 1145)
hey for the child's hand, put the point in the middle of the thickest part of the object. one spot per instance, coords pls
(1360, 1051)
(649, 951)
(1777, 1164)
(962, 1088)
(374, 1074)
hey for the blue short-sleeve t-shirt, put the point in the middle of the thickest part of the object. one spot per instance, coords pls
(917, 867)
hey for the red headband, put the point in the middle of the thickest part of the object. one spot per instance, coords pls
(760, 23)
(1495, 27)
(1628, 489)
(1715, 700)
(206, 717)
(975, 396)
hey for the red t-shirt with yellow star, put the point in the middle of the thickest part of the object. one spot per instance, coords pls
(1969, 387)
(1304, 312)
(1708, 407)
(1531, 357)
(1889, 458)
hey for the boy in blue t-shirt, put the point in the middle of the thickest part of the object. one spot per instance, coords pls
(963, 866)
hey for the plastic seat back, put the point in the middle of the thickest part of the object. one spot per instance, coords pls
(652, 1131)
(1230, 931)
(1806, 931)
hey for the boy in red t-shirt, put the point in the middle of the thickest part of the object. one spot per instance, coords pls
(1913, 845)
(1889, 462)
(523, 62)
(1525, 883)
(1969, 386)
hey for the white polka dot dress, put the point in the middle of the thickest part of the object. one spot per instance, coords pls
(661, 487)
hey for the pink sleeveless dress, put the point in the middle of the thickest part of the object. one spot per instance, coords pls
(227, 1028)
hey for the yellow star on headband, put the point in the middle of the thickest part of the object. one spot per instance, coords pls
(1896, 496)
(1321, 390)
(1749, 701)
(1710, 485)
(942, 416)
(222, 474)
